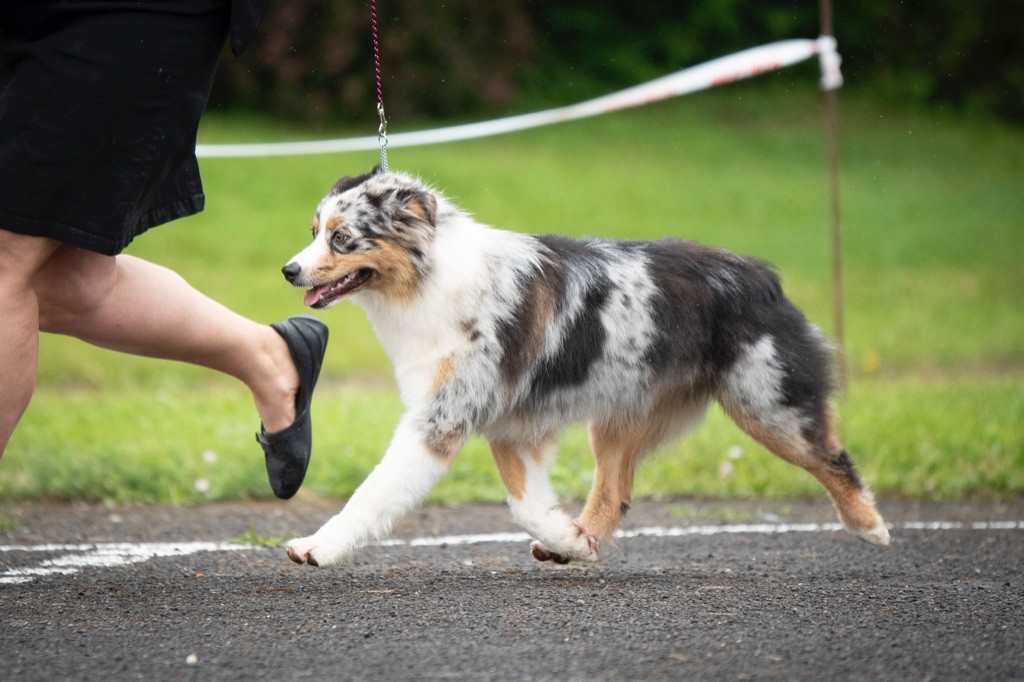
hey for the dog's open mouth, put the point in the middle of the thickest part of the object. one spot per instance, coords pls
(326, 294)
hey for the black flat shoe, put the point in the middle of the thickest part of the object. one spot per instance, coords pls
(287, 451)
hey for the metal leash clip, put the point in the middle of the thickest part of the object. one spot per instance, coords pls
(382, 137)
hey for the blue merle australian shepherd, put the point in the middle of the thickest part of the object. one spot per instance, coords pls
(516, 336)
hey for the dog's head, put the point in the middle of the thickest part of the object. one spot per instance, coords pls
(370, 233)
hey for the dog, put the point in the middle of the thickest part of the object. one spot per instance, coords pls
(517, 336)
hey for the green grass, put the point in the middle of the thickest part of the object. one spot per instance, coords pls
(945, 439)
(253, 539)
(933, 220)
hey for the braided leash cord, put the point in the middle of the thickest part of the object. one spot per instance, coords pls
(382, 130)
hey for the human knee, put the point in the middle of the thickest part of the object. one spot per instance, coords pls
(73, 283)
(21, 258)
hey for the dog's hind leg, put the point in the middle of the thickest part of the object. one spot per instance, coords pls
(620, 446)
(799, 429)
(617, 451)
(534, 506)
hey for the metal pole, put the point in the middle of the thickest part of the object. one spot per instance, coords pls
(833, 173)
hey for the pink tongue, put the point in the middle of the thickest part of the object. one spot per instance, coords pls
(314, 295)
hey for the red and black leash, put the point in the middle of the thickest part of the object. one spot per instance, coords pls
(382, 130)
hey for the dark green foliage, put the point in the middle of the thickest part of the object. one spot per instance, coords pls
(969, 54)
(314, 59)
(461, 58)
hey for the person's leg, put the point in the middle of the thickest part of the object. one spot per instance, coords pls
(21, 257)
(131, 305)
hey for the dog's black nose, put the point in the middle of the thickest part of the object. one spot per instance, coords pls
(291, 272)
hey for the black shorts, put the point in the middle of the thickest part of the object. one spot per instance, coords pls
(99, 105)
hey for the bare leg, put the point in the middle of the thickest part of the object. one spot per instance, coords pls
(130, 305)
(20, 259)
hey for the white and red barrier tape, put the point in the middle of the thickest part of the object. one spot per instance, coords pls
(734, 67)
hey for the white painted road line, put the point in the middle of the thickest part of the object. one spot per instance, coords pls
(104, 555)
(74, 557)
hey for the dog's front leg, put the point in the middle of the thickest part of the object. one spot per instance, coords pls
(415, 461)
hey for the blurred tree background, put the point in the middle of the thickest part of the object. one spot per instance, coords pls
(463, 58)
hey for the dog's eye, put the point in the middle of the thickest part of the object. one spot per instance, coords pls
(338, 237)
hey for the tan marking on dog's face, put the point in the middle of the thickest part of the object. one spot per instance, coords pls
(510, 467)
(395, 275)
(332, 222)
(399, 281)
(444, 373)
(337, 266)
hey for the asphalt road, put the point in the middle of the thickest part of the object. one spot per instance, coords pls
(940, 603)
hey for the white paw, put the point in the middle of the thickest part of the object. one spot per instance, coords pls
(313, 550)
(879, 535)
(578, 544)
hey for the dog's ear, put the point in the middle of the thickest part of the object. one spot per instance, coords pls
(348, 182)
(417, 204)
